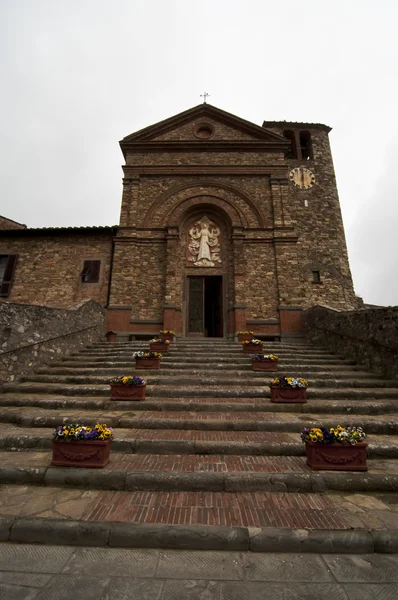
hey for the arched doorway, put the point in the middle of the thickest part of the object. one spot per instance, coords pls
(204, 253)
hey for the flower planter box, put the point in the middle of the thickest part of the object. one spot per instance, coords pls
(288, 394)
(253, 348)
(336, 457)
(159, 347)
(264, 365)
(166, 336)
(128, 392)
(147, 363)
(245, 337)
(81, 453)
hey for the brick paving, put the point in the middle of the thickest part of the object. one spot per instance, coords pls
(217, 508)
(250, 509)
(193, 463)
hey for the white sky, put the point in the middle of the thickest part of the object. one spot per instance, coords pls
(78, 76)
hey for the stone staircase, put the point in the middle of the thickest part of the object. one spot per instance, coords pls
(206, 447)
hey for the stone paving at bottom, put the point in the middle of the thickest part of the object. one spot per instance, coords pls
(32, 572)
(245, 509)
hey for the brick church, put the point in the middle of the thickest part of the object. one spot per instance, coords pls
(224, 225)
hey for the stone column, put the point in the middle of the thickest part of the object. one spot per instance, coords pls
(128, 212)
(238, 321)
(172, 311)
(279, 194)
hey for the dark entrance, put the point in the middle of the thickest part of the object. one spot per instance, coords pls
(205, 306)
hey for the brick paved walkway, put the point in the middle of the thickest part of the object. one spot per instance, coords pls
(245, 509)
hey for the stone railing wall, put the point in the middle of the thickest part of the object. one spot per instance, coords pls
(367, 336)
(32, 335)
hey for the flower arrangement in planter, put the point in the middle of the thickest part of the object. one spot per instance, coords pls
(264, 362)
(77, 445)
(335, 449)
(167, 334)
(158, 344)
(147, 360)
(289, 389)
(110, 336)
(253, 345)
(244, 335)
(127, 387)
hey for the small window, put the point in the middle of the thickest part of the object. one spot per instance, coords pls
(316, 277)
(7, 269)
(91, 271)
(292, 151)
(305, 145)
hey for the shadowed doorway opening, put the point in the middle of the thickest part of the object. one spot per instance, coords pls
(205, 309)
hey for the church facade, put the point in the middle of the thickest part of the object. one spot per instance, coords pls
(224, 225)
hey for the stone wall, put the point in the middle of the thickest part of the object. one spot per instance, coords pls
(32, 335)
(370, 337)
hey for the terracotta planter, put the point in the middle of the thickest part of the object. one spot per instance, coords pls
(128, 392)
(288, 394)
(81, 453)
(166, 336)
(147, 363)
(336, 457)
(159, 347)
(264, 365)
(253, 348)
(246, 337)
(111, 336)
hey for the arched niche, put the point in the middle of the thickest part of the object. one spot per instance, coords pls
(167, 210)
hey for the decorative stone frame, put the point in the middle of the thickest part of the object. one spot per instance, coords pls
(203, 130)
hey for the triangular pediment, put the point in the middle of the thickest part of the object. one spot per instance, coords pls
(204, 123)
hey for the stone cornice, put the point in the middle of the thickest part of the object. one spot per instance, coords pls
(278, 172)
(296, 125)
(257, 146)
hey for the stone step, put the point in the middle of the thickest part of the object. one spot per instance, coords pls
(170, 363)
(210, 520)
(148, 441)
(240, 379)
(209, 356)
(241, 404)
(193, 420)
(279, 423)
(187, 472)
(122, 368)
(204, 390)
(203, 347)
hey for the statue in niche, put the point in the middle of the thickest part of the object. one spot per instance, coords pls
(204, 244)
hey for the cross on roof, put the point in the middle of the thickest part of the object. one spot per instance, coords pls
(204, 96)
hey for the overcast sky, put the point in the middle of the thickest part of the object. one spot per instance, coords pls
(79, 75)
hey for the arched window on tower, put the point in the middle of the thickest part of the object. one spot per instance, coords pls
(292, 151)
(305, 145)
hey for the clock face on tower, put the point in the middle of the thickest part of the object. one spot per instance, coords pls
(302, 178)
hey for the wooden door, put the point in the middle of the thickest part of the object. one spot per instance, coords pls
(196, 306)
